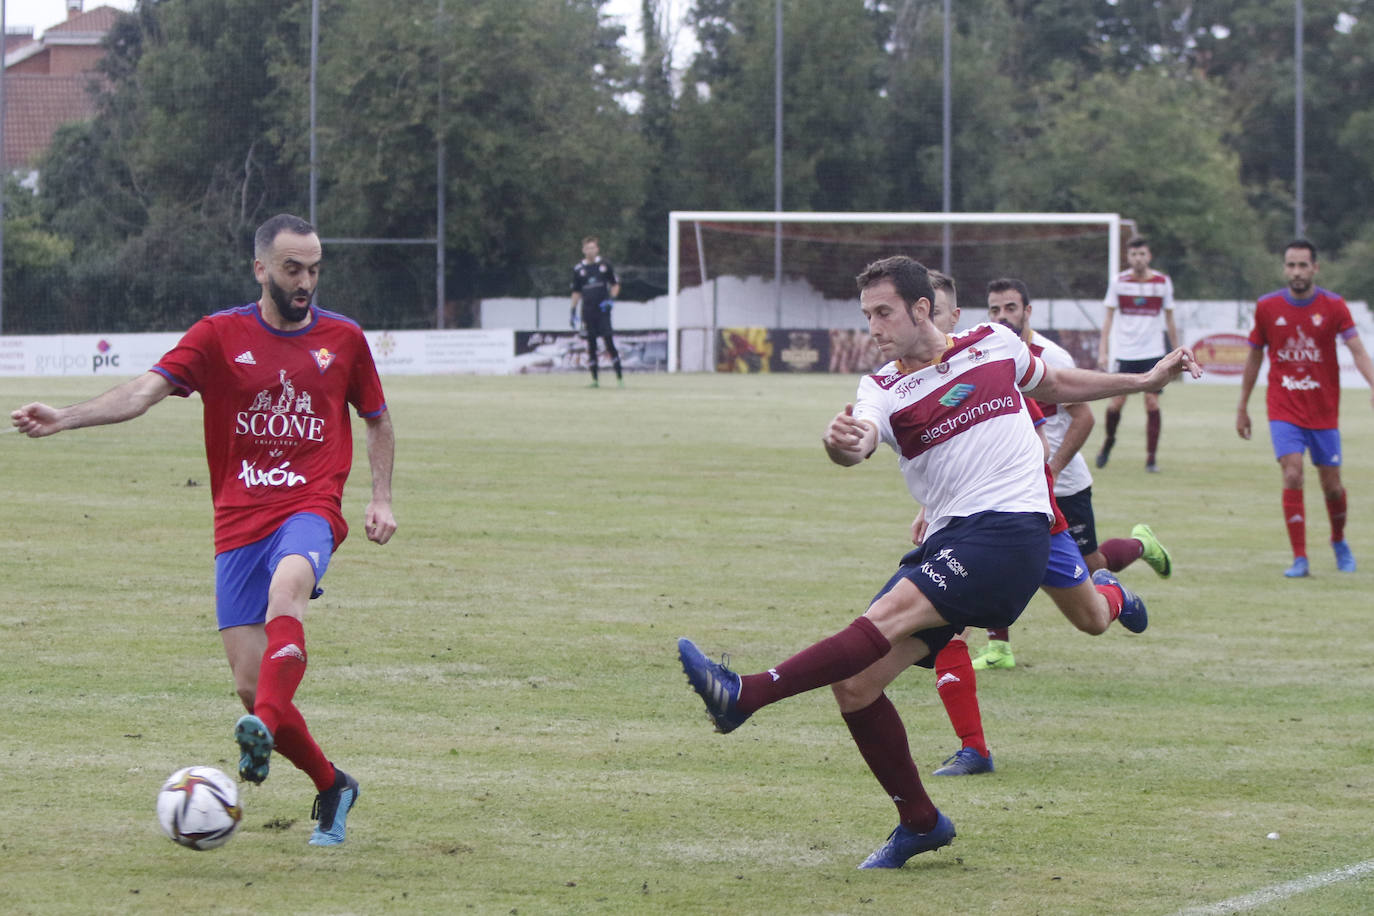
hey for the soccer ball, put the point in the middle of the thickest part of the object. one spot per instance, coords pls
(198, 807)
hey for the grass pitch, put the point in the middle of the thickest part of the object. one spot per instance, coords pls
(502, 677)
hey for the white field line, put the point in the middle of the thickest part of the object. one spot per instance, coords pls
(1280, 891)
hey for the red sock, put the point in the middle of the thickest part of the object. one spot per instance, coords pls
(1114, 598)
(1297, 523)
(293, 741)
(1121, 552)
(283, 666)
(1152, 423)
(878, 731)
(1335, 509)
(833, 659)
(1003, 634)
(957, 686)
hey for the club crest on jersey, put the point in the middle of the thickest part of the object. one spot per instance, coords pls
(1316, 321)
(943, 367)
(322, 358)
(957, 395)
(976, 355)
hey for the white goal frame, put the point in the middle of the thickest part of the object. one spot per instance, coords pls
(1111, 221)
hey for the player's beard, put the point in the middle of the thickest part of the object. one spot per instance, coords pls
(1006, 323)
(1300, 288)
(286, 305)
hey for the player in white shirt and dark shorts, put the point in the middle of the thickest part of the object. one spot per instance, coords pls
(1140, 310)
(951, 407)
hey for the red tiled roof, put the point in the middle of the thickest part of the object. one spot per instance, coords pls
(100, 19)
(35, 106)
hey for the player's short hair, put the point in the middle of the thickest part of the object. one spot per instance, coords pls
(1002, 284)
(1137, 241)
(908, 277)
(591, 238)
(267, 233)
(1303, 243)
(939, 281)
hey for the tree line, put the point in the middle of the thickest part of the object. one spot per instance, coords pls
(1177, 114)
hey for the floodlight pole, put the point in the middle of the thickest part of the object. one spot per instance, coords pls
(945, 264)
(441, 177)
(777, 161)
(3, 172)
(314, 68)
(1299, 227)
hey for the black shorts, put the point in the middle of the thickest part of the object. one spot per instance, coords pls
(978, 571)
(1078, 512)
(597, 321)
(1136, 366)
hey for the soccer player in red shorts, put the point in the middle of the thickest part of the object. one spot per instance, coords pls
(1299, 325)
(951, 407)
(276, 378)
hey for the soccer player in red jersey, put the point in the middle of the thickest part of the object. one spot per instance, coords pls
(1299, 325)
(1140, 309)
(952, 409)
(276, 378)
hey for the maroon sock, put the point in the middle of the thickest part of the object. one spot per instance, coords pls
(957, 684)
(1113, 419)
(1295, 520)
(878, 731)
(833, 659)
(294, 742)
(1003, 634)
(1335, 510)
(1121, 552)
(1152, 423)
(283, 666)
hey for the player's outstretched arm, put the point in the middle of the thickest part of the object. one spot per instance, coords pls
(120, 403)
(379, 522)
(1065, 386)
(849, 441)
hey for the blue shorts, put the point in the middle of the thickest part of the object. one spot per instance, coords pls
(1078, 512)
(978, 571)
(1324, 444)
(242, 575)
(1066, 568)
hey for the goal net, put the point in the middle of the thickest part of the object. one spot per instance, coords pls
(747, 289)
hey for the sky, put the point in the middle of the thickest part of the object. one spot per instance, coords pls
(44, 14)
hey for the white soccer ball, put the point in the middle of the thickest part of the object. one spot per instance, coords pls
(198, 807)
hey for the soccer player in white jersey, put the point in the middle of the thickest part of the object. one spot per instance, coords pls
(952, 409)
(1140, 308)
(1066, 427)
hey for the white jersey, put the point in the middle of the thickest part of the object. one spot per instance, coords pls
(1138, 329)
(1075, 477)
(964, 441)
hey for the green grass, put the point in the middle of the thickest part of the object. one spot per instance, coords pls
(502, 677)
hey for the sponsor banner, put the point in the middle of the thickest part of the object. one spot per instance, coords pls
(83, 354)
(800, 351)
(441, 352)
(566, 351)
(746, 350)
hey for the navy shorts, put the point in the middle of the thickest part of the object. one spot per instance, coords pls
(1065, 568)
(242, 575)
(1078, 512)
(978, 571)
(1323, 444)
(1138, 366)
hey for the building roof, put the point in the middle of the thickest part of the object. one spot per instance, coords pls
(99, 20)
(35, 106)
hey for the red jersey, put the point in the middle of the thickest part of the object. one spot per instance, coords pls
(1304, 376)
(277, 434)
(1038, 418)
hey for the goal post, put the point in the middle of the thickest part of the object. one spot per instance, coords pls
(822, 252)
